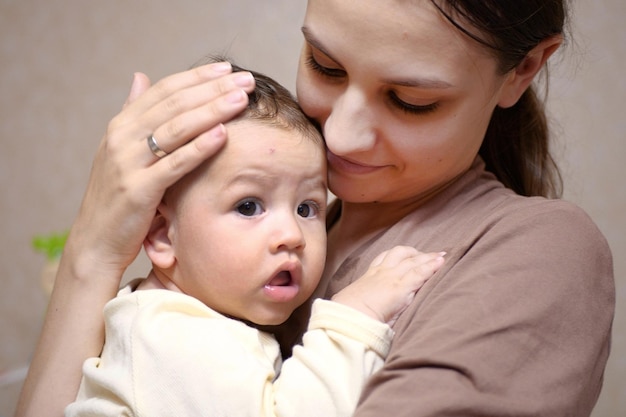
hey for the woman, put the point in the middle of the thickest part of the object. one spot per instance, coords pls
(436, 140)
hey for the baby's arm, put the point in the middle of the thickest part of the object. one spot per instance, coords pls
(348, 338)
(389, 285)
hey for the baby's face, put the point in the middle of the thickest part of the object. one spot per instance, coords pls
(249, 234)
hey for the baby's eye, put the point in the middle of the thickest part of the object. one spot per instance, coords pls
(249, 208)
(309, 209)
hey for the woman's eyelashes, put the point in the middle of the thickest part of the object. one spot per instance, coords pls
(322, 70)
(412, 108)
(336, 73)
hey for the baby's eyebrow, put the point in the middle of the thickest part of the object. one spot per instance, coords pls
(250, 177)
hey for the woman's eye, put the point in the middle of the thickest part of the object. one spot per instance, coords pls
(307, 210)
(412, 108)
(322, 70)
(249, 208)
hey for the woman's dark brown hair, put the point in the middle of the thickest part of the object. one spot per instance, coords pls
(516, 145)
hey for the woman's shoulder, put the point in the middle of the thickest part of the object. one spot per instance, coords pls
(483, 214)
(514, 223)
(546, 240)
(480, 201)
(550, 217)
(511, 204)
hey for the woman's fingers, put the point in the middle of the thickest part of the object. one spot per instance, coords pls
(185, 113)
(174, 83)
(174, 117)
(182, 92)
(201, 116)
(184, 159)
(140, 84)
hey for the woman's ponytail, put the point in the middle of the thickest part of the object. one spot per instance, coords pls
(516, 148)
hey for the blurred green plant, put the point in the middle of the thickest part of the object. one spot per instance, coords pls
(50, 245)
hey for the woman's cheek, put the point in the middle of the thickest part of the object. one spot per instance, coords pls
(308, 100)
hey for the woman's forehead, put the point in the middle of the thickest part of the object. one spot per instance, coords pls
(395, 37)
(377, 18)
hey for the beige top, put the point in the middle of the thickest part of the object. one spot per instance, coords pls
(518, 320)
(168, 354)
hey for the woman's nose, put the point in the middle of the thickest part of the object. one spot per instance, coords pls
(350, 128)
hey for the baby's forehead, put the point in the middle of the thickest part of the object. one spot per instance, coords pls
(261, 154)
(248, 129)
(255, 149)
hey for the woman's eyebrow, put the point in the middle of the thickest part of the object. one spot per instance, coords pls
(311, 39)
(425, 83)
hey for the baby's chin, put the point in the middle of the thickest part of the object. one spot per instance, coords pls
(266, 322)
(263, 319)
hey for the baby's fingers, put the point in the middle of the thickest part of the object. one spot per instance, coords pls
(394, 256)
(423, 266)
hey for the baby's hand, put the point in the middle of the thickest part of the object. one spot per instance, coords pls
(390, 283)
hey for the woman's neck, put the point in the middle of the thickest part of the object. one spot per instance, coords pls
(357, 224)
(358, 220)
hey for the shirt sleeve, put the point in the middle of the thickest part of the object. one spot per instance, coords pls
(517, 323)
(341, 349)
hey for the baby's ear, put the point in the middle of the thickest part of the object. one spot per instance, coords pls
(157, 244)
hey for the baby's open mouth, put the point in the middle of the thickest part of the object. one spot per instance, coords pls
(284, 286)
(282, 279)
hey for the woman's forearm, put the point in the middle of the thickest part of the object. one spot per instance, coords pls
(73, 331)
(127, 183)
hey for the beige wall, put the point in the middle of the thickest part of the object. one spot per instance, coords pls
(65, 68)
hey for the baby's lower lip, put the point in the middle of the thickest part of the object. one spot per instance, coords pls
(281, 293)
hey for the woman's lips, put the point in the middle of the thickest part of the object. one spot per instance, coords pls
(340, 164)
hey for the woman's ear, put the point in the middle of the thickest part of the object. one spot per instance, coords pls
(520, 78)
(157, 244)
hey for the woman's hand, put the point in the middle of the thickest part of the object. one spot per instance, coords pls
(184, 113)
